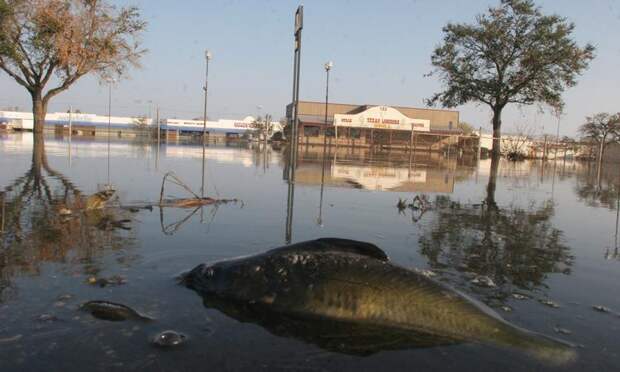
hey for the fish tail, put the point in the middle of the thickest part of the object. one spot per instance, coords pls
(544, 348)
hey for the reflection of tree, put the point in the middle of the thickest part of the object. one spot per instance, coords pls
(599, 188)
(43, 220)
(515, 247)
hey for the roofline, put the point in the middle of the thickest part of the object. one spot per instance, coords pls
(366, 104)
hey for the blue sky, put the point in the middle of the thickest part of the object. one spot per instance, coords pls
(381, 51)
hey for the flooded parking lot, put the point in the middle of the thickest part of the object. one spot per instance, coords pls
(537, 242)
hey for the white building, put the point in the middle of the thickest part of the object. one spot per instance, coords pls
(223, 126)
(25, 121)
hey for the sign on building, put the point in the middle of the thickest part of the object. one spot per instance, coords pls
(382, 117)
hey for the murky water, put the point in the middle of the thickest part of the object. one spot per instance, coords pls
(541, 249)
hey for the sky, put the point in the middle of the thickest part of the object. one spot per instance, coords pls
(381, 52)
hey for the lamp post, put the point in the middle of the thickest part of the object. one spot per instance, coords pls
(110, 83)
(328, 66)
(208, 57)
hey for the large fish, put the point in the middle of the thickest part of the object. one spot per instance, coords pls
(345, 295)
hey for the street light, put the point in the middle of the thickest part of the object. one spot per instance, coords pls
(328, 66)
(110, 83)
(208, 57)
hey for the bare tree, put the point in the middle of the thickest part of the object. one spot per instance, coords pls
(63, 40)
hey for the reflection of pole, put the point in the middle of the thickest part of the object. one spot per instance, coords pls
(617, 219)
(289, 212)
(202, 187)
(109, 127)
(2, 224)
(70, 131)
(158, 137)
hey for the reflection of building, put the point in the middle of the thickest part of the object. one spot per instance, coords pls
(368, 125)
(361, 170)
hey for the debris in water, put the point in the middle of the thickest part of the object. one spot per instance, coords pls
(169, 338)
(10, 339)
(601, 308)
(483, 281)
(507, 309)
(112, 311)
(115, 280)
(47, 318)
(518, 296)
(562, 331)
(549, 303)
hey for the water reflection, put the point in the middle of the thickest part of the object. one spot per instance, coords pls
(599, 189)
(362, 168)
(44, 220)
(354, 338)
(515, 247)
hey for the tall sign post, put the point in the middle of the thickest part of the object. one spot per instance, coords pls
(299, 24)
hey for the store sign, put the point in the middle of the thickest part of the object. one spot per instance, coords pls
(382, 117)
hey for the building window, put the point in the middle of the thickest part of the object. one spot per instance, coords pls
(329, 132)
(311, 131)
(356, 133)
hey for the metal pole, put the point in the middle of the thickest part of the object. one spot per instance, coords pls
(70, 131)
(294, 123)
(109, 127)
(319, 220)
(204, 119)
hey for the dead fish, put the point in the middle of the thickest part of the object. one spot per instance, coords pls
(112, 311)
(336, 292)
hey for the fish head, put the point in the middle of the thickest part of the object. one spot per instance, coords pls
(240, 280)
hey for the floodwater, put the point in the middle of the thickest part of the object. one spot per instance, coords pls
(546, 235)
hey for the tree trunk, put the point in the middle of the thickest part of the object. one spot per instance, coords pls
(491, 186)
(497, 133)
(39, 110)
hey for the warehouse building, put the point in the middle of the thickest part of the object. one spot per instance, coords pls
(375, 125)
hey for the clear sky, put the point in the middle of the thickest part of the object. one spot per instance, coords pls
(381, 52)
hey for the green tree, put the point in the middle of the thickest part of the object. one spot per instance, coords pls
(511, 54)
(59, 41)
(601, 129)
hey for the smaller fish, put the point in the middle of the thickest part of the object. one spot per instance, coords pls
(112, 311)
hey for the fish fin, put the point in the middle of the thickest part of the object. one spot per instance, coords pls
(336, 245)
(352, 246)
